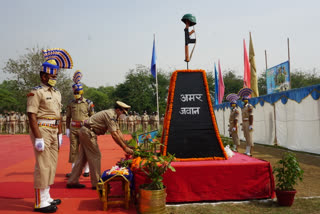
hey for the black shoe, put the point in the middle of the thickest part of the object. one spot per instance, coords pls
(55, 202)
(94, 188)
(86, 174)
(48, 209)
(76, 186)
(68, 175)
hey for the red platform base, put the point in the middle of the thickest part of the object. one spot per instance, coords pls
(238, 178)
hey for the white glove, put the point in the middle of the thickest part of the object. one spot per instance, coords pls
(250, 127)
(234, 129)
(39, 144)
(60, 140)
(68, 132)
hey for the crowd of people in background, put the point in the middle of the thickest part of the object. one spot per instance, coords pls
(12, 122)
(135, 122)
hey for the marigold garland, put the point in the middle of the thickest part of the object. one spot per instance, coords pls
(167, 119)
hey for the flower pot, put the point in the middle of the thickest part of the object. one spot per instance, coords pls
(285, 198)
(152, 201)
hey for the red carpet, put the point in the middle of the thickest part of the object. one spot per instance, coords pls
(16, 177)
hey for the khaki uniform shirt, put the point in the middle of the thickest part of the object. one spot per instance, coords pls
(45, 102)
(145, 118)
(233, 116)
(22, 118)
(104, 121)
(13, 118)
(64, 118)
(80, 110)
(246, 111)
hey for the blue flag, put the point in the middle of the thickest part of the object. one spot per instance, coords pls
(153, 60)
(216, 84)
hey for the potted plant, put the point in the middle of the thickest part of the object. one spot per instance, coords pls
(288, 173)
(152, 194)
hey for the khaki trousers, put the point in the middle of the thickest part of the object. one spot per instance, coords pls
(46, 161)
(145, 126)
(235, 138)
(247, 133)
(89, 152)
(22, 127)
(74, 144)
(130, 127)
(12, 128)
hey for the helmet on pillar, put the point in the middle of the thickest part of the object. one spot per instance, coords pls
(189, 17)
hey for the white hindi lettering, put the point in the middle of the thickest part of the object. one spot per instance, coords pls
(189, 110)
(190, 97)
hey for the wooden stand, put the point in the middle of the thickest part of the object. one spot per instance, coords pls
(104, 192)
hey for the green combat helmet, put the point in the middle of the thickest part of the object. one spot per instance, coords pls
(190, 18)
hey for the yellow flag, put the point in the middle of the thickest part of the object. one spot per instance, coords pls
(253, 71)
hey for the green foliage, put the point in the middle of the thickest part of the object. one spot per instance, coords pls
(288, 172)
(153, 164)
(139, 90)
(25, 71)
(301, 79)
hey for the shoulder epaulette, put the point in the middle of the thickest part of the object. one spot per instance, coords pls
(37, 87)
(88, 101)
(56, 89)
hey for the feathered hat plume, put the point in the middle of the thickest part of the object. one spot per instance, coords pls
(56, 58)
(232, 98)
(76, 79)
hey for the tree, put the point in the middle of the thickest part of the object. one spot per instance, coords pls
(302, 79)
(262, 84)
(139, 90)
(232, 83)
(101, 97)
(8, 99)
(25, 71)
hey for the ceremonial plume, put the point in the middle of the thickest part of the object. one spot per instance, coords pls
(232, 98)
(76, 79)
(244, 92)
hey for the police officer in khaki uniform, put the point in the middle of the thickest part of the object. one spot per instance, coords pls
(79, 110)
(27, 124)
(130, 122)
(22, 123)
(44, 112)
(7, 123)
(247, 119)
(13, 120)
(136, 121)
(151, 122)
(1, 122)
(64, 122)
(233, 120)
(145, 120)
(98, 124)
(156, 121)
(122, 119)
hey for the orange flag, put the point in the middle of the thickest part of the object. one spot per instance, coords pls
(246, 76)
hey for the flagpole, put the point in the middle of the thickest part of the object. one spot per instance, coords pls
(154, 37)
(289, 63)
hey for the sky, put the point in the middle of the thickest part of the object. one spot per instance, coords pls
(107, 38)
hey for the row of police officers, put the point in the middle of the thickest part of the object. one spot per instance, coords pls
(83, 126)
(13, 122)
